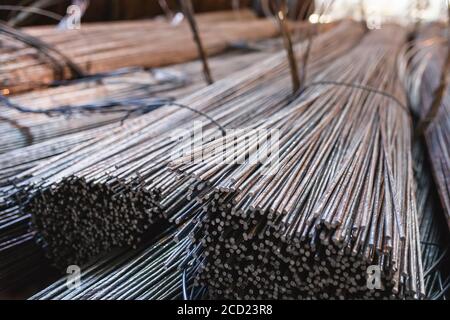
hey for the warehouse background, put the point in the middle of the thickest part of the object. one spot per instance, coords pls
(111, 10)
(109, 73)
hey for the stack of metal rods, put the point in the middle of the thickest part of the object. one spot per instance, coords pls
(18, 248)
(165, 268)
(48, 137)
(160, 268)
(109, 46)
(31, 142)
(313, 227)
(423, 65)
(434, 234)
(118, 185)
(21, 129)
(24, 128)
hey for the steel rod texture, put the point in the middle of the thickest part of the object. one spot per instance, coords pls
(118, 184)
(32, 139)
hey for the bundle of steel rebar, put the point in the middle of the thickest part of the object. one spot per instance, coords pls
(33, 130)
(434, 234)
(160, 268)
(121, 89)
(428, 221)
(164, 269)
(341, 198)
(424, 64)
(107, 192)
(103, 47)
(20, 255)
(21, 128)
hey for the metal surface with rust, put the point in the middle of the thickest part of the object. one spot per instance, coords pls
(100, 47)
(342, 199)
(22, 261)
(424, 68)
(117, 185)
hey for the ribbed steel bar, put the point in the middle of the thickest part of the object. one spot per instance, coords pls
(118, 185)
(342, 199)
(155, 270)
(434, 234)
(53, 136)
(423, 65)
